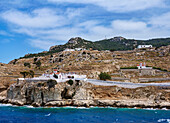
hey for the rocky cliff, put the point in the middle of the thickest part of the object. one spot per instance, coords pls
(85, 94)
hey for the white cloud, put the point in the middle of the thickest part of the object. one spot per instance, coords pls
(118, 5)
(47, 27)
(39, 18)
(126, 25)
(162, 21)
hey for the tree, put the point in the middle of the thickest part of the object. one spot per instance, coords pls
(38, 63)
(51, 83)
(104, 76)
(15, 60)
(26, 64)
(31, 73)
(24, 73)
(70, 82)
(112, 50)
(55, 76)
(35, 59)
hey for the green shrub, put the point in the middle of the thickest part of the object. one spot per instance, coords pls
(104, 76)
(158, 68)
(55, 76)
(35, 59)
(51, 83)
(38, 63)
(129, 68)
(24, 73)
(70, 82)
(15, 60)
(31, 73)
(26, 64)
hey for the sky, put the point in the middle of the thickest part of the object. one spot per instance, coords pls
(31, 26)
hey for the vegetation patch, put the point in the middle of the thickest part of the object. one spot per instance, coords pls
(104, 76)
(51, 83)
(129, 68)
(26, 64)
(70, 82)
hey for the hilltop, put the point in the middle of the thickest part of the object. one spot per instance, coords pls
(114, 44)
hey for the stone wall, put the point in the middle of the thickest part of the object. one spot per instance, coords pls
(149, 72)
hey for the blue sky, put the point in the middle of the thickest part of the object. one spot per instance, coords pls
(30, 26)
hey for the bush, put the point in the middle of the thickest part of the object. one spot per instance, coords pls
(104, 76)
(70, 82)
(24, 73)
(160, 69)
(15, 60)
(26, 64)
(129, 68)
(35, 59)
(31, 73)
(112, 50)
(38, 63)
(51, 83)
(55, 76)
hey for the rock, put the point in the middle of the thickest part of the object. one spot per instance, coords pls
(83, 103)
(16, 102)
(74, 40)
(85, 94)
(2, 99)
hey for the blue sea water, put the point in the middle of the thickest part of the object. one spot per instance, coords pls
(26, 114)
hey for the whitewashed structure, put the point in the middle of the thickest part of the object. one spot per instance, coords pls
(59, 77)
(143, 66)
(76, 49)
(79, 49)
(144, 46)
(69, 49)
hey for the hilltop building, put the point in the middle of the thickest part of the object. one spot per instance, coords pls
(144, 46)
(69, 49)
(76, 49)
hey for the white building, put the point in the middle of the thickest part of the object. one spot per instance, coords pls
(69, 49)
(59, 77)
(79, 49)
(144, 46)
(143, 66)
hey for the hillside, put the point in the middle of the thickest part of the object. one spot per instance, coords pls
(92, 63)
(116, 44)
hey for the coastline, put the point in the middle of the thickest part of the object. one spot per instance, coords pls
(82, 94)
(74, 107)
(139, 104)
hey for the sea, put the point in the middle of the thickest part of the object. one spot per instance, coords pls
(29, 114)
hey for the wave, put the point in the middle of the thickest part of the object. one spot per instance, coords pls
(2, 105)
(73, 107)
(164, 120)
(48, 115)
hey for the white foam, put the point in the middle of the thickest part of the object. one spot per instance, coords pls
(5, 105)
(28, 106)
(82, 108)
(48, 115)
(164, 120)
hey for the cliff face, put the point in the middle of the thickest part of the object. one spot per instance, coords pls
(43, 92)
(85, 94)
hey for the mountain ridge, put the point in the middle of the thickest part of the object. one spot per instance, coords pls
(115, 44)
